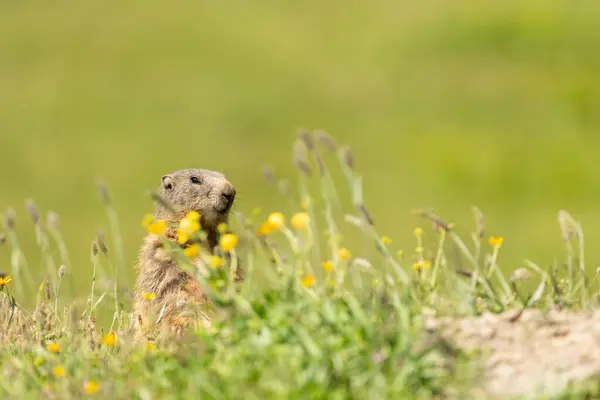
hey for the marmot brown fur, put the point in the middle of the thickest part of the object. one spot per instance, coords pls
(211, 195)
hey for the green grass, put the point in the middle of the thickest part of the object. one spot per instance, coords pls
(356, 333)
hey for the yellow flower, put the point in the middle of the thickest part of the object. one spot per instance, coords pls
(229, 241)
(189, 226)
(193, 216)
(148, 219)
(308, 281)
(328, 265)
(192, 251)
(216, 261)
(149, 296)
(59, 371)
(422, 264)
(276, 220)
(344, 254)
(150, 346)
(110, 339)
(182, 237)
(38, 361)
(300, 220)
(264, 229)
(5, 280)
(90, 387)
(496, 241)
(157, 227)
(54, 347)
(386, 240)
(418, 232)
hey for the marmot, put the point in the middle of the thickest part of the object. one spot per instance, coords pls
(211, 195)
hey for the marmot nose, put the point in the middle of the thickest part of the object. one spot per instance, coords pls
(228, 192)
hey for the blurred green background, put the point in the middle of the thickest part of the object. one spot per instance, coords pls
(445, 104)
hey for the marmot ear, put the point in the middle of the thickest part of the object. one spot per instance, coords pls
(167, 182)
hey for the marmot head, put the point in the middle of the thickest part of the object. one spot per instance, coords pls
(207, 192)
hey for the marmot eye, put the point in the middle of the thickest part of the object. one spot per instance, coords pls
(195, 179)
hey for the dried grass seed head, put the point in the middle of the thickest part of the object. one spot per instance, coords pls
(326, 140)
(301, 158)
(308, 140)
(100, 242)
(33, 211)
(268, 174)
(104, 193)
(47, 288)
(52, 220)
(10, 218)
(479, 221)
(320, 164)
(520, 274)
(348, 157)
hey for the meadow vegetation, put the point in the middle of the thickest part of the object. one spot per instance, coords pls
(311, 319)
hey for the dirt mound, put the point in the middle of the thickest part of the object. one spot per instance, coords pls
(529, 353)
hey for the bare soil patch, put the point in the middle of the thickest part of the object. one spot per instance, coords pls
(530, 353)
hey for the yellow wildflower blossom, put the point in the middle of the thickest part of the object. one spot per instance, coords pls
(182, 237)
(496, 241)
(228, 242)
(264, 229)
(328, 265)
(150, 346)
(39, 361)
(423, 264)
(192, 251)
(193, 216)
(59, 371)
(110, 339)
(344, 254)
(300, 220)
(308, 281)
(276, 220)
(91, 387)
(54, 347)
(158, 227)
(189, 226)
(149, 296)
(386, 240)
(5, 280)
